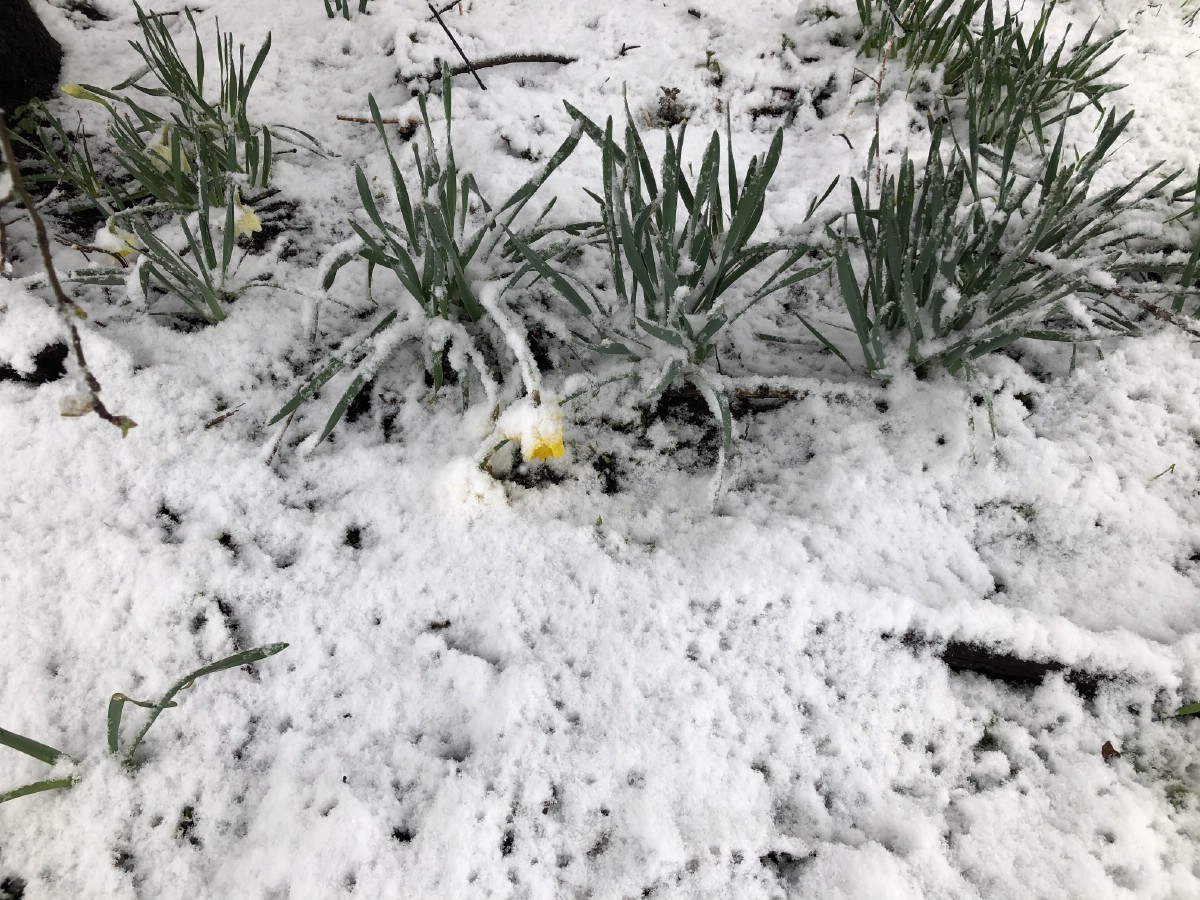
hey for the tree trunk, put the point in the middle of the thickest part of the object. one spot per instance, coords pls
(29, 57)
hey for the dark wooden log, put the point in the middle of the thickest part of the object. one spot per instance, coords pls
(30, 58)
(961, 656)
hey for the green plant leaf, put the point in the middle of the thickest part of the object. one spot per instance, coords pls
(229, 662)
(116, 706)
(38, 787)
(30, 747)
(334, 366)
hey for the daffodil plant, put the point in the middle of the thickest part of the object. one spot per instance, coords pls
(165, 129)
(453, 254)
(535, 424)
(677, 255)
(200, 270)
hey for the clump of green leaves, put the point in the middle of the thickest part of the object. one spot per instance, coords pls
(1168, 263)
(177, 154)
(989, 64)
(923, 33)
(190, 258)
(201, 273)
(676, 251)
(164, 130)
(116, 707)
(452, 252)
(1004, 77)
(975, 253)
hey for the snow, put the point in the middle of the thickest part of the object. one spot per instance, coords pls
(587, 680)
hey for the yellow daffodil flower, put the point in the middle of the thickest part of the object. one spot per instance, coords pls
(537, 427)
(116, 240)
(545, 443)
(247, 221)
(162, 149)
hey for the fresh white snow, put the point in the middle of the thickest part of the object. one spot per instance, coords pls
(541, 688)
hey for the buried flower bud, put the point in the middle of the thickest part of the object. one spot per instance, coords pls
(537, 427)
(161, 147)
(79, 92)
(115, 240)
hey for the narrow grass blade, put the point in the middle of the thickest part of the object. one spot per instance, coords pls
(594, 131)
(331, 369)
(543, 268)
(37, 787)
(230, 662)
(116, 706)
(30, 747)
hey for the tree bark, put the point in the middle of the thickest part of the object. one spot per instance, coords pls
(30, 58)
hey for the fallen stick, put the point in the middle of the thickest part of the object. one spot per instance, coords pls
(363, 120)
(437, 15)
(1163, 315)
(507, 59)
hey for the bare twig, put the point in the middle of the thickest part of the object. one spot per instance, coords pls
(3, 244)
(363, 120)
(437, 15)
(68, 310)
(4, 201)
(85, 249)
(1163, 315)
(218, 419)
(175, 12)
(406, 125)
(449, 6)
(506, 59)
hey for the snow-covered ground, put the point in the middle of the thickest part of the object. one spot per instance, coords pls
(587, 682)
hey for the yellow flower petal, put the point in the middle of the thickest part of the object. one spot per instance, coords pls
(545, 448)
(79, 92)
(162, 149)
(247, 222)
(537, 427)
(116, 240)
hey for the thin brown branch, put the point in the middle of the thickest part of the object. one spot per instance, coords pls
(367, 120)
(221, 417)
(85, 249)
(364, 120)
(4, 201)
(68, 310)
(3, 247)
(449, 6)
(437, 15)
(1163, 315)
(507, 59)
